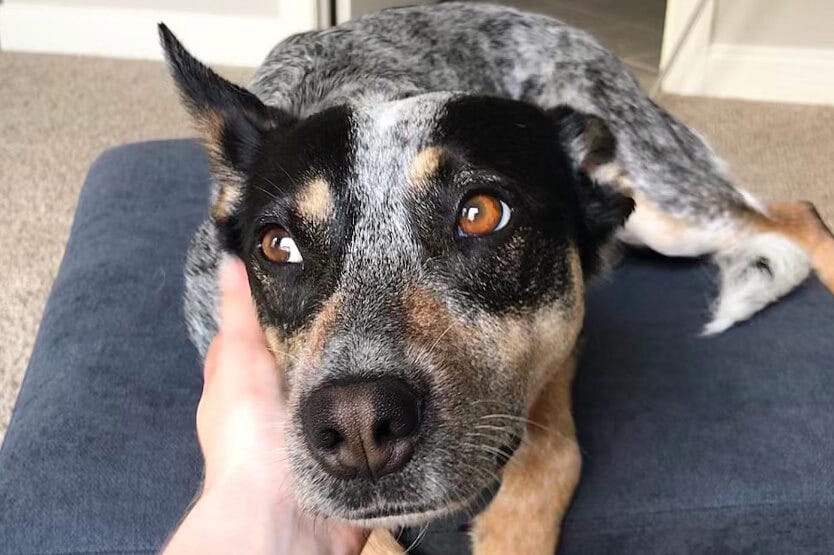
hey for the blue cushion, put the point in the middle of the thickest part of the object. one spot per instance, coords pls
(101, 454)
(691, 445)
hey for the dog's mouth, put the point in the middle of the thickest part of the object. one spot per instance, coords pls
(424, 491)
(403, 514)
(409, 515)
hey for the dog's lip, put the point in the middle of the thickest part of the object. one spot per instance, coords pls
(394, 516)
(406, 515)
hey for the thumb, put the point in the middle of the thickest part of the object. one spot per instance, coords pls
(238, 317)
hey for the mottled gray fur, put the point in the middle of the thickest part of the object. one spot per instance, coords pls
(482, 49)
(495, 50)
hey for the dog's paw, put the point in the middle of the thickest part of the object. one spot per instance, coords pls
(381, 542)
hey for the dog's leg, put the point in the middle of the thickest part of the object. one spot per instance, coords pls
(800, 222)
(538, 481)
(381, 542)
(762, 252)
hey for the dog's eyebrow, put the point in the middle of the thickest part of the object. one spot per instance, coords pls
(315, 201)
(425, 165)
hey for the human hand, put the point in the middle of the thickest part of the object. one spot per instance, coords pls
(247, 504)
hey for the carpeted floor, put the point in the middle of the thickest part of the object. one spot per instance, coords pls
(57, 113)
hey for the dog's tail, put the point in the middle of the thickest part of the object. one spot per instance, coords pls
(786, 242)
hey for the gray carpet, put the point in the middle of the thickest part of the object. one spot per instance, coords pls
(58, 112)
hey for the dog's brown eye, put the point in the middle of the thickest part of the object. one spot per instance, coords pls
(278, 246)
(482, 214)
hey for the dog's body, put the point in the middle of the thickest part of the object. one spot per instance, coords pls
(362, 135)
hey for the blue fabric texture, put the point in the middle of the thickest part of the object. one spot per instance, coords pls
(691, 444)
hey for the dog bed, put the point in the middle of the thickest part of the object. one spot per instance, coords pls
(690, 444)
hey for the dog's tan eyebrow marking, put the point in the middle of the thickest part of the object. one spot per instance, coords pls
(424, 166)
(227, 198)
(315, 203)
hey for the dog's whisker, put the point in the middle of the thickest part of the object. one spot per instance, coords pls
(439, 337)
(496, 435)
(503, 456)
(419, 538)
(515, 418)
(485, 471)
(267, 193)
(493, 401)
(283, 353)
(424, 355)
(489, 427)
(488, 437)
(538, 425)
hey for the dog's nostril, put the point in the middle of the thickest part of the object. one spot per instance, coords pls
(402, 424)
(384, 432)
(327, 438)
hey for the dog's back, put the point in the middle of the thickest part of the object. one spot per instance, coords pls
(686, 205)
(499, 51)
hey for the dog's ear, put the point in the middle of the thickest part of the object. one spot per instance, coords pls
(231, 120)
(602, 190)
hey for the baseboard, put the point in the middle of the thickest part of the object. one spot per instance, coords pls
(770, 74)
(131, 33)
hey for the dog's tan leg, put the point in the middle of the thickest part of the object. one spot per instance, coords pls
(801, 222)
(538, 482)
(381, 542)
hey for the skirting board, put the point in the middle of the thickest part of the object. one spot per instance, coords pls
(770, 74)
(707, 68)
(131, 33)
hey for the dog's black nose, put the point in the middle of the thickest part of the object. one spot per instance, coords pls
(362, 429)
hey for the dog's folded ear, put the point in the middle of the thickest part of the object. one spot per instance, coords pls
(231, 120)
(603, 193)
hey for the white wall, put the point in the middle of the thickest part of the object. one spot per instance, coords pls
(772, 50)
(775, 23)
(216, 31)
(268, 8)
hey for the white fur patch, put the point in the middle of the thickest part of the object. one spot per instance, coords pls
(651, 227)
(754, 273)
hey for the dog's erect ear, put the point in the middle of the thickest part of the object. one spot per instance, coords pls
(603, 192)
(231, 120)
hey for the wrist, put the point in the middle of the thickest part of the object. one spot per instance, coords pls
(253, 494)
(234, 515)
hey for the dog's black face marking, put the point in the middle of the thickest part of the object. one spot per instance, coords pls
(503, 147)
(387, 290)
(511, 150)
(315, 148)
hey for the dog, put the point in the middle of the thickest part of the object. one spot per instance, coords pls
(421, 198)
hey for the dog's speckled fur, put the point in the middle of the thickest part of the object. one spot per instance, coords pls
(362, 140)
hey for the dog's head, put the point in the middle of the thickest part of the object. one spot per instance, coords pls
(418, 267)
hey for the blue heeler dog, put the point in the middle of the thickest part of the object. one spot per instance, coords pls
(421, 197)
